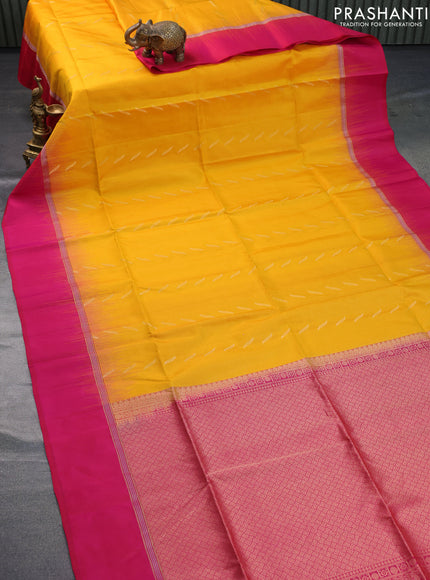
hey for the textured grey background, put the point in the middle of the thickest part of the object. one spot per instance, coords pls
(32, 543)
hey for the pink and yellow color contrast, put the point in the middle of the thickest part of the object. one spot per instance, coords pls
(223, 279)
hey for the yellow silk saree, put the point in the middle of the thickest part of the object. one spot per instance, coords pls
(222, 271)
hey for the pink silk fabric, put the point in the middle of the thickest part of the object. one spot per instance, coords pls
(273, 35)
(290, 473)
(299, 463)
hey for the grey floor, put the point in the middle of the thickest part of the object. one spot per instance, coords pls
(32, 543)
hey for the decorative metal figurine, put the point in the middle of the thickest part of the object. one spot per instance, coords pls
(39, 112)
(165, 36)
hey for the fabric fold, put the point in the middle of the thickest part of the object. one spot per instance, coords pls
(187, 529)
(286, 472)
(223, 280)
(269, 35)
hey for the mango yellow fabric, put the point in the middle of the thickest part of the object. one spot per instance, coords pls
(215, 220)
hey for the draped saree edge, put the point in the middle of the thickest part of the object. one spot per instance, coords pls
(273, 35)
(89, 476)
(102, 510)
(365, 116)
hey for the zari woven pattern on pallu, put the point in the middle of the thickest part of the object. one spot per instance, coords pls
(222, 271)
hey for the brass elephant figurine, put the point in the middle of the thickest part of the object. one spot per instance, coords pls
(165, 36)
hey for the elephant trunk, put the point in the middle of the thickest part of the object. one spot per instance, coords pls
(127, 36)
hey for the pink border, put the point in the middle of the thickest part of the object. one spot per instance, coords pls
(29, 66)
(293, 372)
(101, 526)
(273, 35)
(371, 138)
(99, 518)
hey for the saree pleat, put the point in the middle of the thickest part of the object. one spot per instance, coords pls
(222, 271)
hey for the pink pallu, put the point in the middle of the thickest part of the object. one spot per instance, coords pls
(271, 35)
(227, 484)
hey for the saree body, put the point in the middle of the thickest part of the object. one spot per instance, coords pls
(235, 307)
